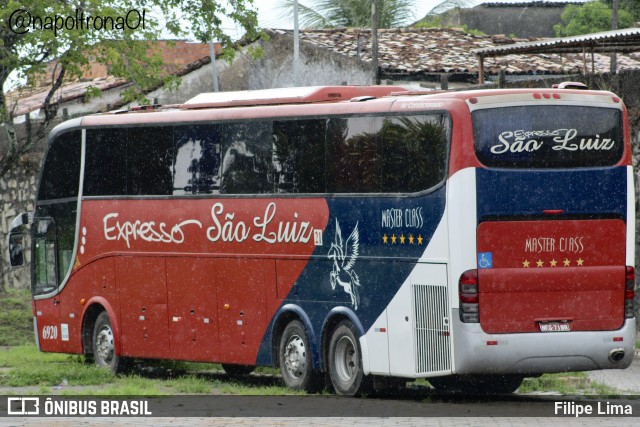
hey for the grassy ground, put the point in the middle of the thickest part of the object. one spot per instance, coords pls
(29, 371)
(16, 318)
(25, 370)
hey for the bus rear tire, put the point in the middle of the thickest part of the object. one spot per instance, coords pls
(103, 346)
(294, 356)
(345, 361)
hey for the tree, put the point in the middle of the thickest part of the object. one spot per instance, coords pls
(75, 32)
(631, 6)
(591, 17)
(438, 13)
(350, 13)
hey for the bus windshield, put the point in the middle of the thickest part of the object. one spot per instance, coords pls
(548, 136)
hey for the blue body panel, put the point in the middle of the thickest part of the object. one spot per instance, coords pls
(380, 268)
(590, 192)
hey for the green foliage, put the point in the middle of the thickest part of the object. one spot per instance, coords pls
(591, 17)
(473, 32)
(117, 34)
(431, 21)
(631, 6)
(350, 13)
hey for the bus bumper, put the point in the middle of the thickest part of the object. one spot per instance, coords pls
(476, 352)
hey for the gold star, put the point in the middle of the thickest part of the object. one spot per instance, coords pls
(419, 239)
(566, 262)
(393, 239)
(539, 263)
(525, 264)
(385, 239)
(553, 262)
(411, 239)
(580, 261)
(402, 239)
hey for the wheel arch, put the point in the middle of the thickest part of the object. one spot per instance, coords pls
(94, 307)
(333, 318)
(286, 314)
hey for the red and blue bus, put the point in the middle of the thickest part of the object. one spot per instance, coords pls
(351, 233)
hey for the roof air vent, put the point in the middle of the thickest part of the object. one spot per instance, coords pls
(571, 85)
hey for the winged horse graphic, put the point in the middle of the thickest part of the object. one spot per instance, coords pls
(344, 255)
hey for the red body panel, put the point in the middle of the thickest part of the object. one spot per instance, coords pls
(543, 271)
(183, 279)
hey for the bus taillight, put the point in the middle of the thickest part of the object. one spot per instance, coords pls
(629, 293)
(469, 298)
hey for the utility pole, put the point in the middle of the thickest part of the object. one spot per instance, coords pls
(374, 41)
(296, 44)
(214, 69)
(613, 69)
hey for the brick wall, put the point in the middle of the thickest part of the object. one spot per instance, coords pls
(176, 55)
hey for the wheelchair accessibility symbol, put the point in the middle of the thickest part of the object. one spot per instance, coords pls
(485, 259)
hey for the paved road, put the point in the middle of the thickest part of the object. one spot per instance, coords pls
(625, 380)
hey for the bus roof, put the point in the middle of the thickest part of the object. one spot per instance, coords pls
(335, 99)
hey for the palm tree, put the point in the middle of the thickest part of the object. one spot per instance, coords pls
(444, 5)
(350, 13)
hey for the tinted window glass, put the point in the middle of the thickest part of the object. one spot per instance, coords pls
(387, 154)
(55, 232)
(298, 158)
(106, 163)
(246, 158)
(61, 173)
(150, 161)
(548, 136)
(354, 155)
(414, 152)
(336, 155)
(198, 160)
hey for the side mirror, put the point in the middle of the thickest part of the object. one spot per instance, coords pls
(16, 249)
(16, 238)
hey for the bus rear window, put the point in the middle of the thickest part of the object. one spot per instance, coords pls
(548, 136)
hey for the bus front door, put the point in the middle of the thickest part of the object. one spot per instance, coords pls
(46, 304)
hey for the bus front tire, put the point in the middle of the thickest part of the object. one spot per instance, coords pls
(345, 361)
(104, 353)
(296, 364)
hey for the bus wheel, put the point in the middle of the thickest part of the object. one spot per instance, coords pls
(104, 353)
(345, 361)
(237, 370)
(294, 355)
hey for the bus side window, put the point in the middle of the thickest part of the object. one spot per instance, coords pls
(197, 163)
(414, 152)
(106, 162)
(352, 153)
(61, 174)
(150, 161)
(298, 158)
(246, 158)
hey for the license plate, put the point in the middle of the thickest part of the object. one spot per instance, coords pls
(555, 327)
